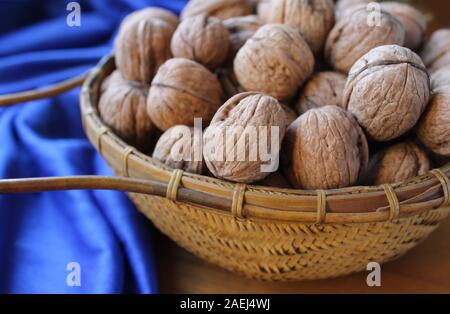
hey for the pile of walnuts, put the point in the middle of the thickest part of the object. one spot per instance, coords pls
(340, 92)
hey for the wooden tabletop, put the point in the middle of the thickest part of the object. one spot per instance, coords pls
(425, 269)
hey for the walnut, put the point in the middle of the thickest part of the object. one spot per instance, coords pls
(441, 78)
(324, 149)
(275, 61)
(181, 91)
(323, 89)
(229, 82)
(113, 79)
(141, 48)
(343, 7)
(203, 39)
(387, 90)
(436, 53)
(353, 36)
(434, 127)
(176, 149)
(152, 13)
(223, 9)
(123, 108)
(239, 144)
(290, 113)
(398, 163)
(241, 29)
(312, 18)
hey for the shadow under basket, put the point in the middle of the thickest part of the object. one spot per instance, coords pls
(269, 233)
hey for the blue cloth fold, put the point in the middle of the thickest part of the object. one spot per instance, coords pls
(42, 234)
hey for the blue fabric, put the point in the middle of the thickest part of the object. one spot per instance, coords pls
(40, 234)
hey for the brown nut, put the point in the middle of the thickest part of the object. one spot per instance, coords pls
(387, 90)
(436, 53)
(434, 127)
(241, 29)
(181, 91)
(222, 9)
(312, 18)
(113, 79)
(275, 61)
(343, 7)
(325, 149)
(229, 82)
(291, 115)
(323, 89)
(398, 163)
(203, 39)
(123, 109)
(441, 78)
(353, 36)
(152, 13)
(413, 21)
(176, 149)
(141, 48)
(241, 137)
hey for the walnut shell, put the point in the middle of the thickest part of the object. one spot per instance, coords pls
(152, 13)
(325, 149)
(441, 78)
(231, 130)
(413, 21)
(241, 29)
(323, 89)
(203, 39)
(291, 115)
(176, 149)
(141, 48)
(275, 61)
(387, 90)
(434, 127)
(113, 79)
(398, 163)
(353, 36)
(222, 9)
(343, 7)
(436, 53)
(229, 82)
(123, 109)
(312, 18)
(181, 91)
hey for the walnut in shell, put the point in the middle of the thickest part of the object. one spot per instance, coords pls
(325, 149)
(398, 163)
(323, 89)
(113, 79)
(353, 36)
(441, 78)
(434, 127)
(290, 114)
(181, 91)
(312, 18)
(238, 145)
(203, 39)
(223, 9)
(176, 149)
(275, 61)
(387, 90)
(123, 108)
(152, 13)
(141, 48)
(436, 53)
(343, 7)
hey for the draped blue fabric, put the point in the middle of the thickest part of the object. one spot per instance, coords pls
(42, 234)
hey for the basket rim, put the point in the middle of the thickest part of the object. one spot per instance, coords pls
(358, 204)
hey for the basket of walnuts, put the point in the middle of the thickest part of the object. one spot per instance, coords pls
(306, 138)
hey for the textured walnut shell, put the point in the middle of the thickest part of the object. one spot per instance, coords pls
(434, 127)
(238, 113)
(343, 7)
(290, 113)
(436, 53)
(325, 149)
(441, 78)
(413, 21)
(229, 82)
(203, 39)
(123, 109)
(141, 48)
(398, 163)
(175, 148)
(241, 28)
(222, 9)
(323, 89)
(353, 36)
(275, 61)
(181, 91)
(312, 18)
(113, 79)
(387, 90)
(152, 13)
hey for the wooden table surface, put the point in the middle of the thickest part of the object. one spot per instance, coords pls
(425, 269)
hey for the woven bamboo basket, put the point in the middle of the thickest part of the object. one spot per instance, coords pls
(270, 233)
